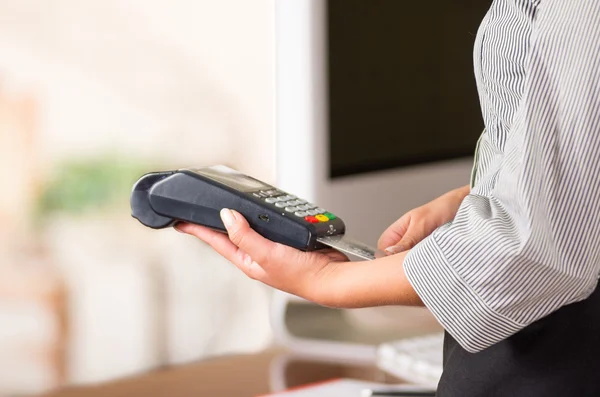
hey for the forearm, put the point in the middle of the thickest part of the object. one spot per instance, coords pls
(381, 282)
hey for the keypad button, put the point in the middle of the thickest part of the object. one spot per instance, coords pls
(322, 218)
(330, 215)
(311, 206)
(257, 195)
(321, 210)
(312, 212)
(285, 198)
(303, 207)
(295, 202)
(271, 192)
(292, 197)
(271, 200)
(301, 202)
(280, 204)
(301, 214)
(291, 209)
(311, 219)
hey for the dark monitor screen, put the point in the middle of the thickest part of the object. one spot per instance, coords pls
(401, 82)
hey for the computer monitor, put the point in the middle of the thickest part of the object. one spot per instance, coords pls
(376, 114)
(377, 109)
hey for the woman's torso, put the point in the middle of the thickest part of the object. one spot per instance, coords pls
(558, 355)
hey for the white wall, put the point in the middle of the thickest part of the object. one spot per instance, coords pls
(186, 80)
(182, 83)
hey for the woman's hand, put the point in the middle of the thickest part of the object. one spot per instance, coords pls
(325, 277)
(419, 223)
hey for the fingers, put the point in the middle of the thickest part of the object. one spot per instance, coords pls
(241, 240)
(221, 243)
(406, 243)
(274, 264)
(394, 234)
(242, 235)
(203, 233)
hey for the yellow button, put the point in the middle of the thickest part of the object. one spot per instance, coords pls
(322, 218)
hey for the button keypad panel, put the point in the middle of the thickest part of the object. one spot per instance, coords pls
(310, 212)
(322, 218)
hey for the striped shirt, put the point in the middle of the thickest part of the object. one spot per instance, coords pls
(526, 241)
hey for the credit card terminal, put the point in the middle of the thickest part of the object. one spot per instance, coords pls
(197, 195)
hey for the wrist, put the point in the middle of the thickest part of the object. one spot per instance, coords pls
(381, 282)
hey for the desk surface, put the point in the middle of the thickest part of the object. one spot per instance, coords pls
(231, 376)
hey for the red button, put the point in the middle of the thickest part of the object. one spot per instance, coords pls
(311, 219)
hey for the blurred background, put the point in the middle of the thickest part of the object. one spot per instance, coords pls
(92, 95)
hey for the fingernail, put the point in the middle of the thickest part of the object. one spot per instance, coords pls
(177, 227)
(395, 249)
(227, 217)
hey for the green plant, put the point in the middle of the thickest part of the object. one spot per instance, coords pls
(81, 185)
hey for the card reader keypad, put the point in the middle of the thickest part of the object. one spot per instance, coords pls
(292, 204)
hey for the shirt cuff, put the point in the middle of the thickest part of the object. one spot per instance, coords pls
(462, 313)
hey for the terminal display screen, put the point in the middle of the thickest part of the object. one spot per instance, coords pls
(232, 178)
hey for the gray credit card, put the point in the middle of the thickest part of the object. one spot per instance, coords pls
(351, 247)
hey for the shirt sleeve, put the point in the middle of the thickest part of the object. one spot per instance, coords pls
(532, 245)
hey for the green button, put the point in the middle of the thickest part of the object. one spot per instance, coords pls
(330, 215)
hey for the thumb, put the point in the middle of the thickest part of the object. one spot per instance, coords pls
(244, 237)
(405, 244)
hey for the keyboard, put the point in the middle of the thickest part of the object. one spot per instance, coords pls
(417, 359)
